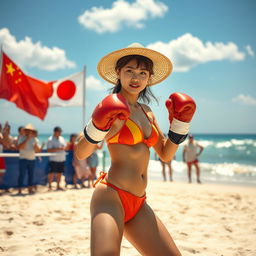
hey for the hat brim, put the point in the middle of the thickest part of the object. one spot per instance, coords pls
(162, 66)
(29, 127)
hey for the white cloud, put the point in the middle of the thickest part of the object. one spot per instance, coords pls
(94, 84)
(249, 50)
(245, 100)
(122, 13)
(188, 51)
(28, 54)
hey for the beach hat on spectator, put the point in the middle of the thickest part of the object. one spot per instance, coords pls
(29, 127)
(162, 66)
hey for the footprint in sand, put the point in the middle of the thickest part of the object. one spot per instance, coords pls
(8, 232)
(63, 218)
(38, 222)
(229, 229)
(190, 249)
(60, 251)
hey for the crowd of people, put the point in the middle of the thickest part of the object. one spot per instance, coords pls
(27, 144)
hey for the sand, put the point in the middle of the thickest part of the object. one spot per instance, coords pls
(204, 219)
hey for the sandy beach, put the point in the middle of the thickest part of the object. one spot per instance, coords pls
(205, 219)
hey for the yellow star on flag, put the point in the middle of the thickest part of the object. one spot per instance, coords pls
(10, 69)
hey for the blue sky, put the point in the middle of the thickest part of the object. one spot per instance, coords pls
(212, 45)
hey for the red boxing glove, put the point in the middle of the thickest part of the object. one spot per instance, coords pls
(181, 109)
(106, 112)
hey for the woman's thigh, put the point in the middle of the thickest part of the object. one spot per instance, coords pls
(148, 234)
(107, 221)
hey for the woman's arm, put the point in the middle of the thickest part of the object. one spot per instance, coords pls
(111, 108)
(83, 148)
(181, 109)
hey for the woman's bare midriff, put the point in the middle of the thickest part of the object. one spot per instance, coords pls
(129, 165)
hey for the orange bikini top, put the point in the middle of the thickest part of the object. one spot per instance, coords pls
(131, 134)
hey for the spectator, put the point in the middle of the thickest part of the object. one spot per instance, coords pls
(190, 156)
(93, 162)
(2, 160)
(70, 147)
(56, 144)
(21, 132)
(7, 138)
(43, 143)
(82, 171)
(169, 165)
(27, 146)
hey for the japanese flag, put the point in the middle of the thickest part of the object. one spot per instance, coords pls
(68, 91)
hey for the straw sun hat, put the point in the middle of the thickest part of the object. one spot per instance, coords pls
(162, 66)
(29, 127)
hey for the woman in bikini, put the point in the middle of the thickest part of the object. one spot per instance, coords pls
(118, 205)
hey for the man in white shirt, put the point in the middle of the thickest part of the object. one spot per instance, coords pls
(190, 156)
(56, 144)
(27, 145)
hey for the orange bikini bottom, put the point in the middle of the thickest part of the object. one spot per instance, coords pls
(130, 202)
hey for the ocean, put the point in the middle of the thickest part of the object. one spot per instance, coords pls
(227, 158)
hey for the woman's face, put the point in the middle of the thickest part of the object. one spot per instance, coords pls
(134, 78)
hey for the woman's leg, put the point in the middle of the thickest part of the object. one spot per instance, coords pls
(148, 234)
(107, 222)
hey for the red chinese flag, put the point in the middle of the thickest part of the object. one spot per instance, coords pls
(26, 92)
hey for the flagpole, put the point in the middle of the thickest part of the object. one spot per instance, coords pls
(84, 96)
(1, 58)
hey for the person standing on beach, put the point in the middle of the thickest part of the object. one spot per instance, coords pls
(27, 145)
(81, 169)
(2, 159)
(56, 144)
(169, 166)
(118, 204)
(93, 162)
(8, 140)
(21, 132)
(190, 156)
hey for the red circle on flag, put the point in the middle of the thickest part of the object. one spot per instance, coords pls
(66, 90)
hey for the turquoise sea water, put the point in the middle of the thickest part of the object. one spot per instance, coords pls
(226, 158)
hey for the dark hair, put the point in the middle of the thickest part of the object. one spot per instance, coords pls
(20, 128)
(72, 135)
(146, 94)
(57, 129)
